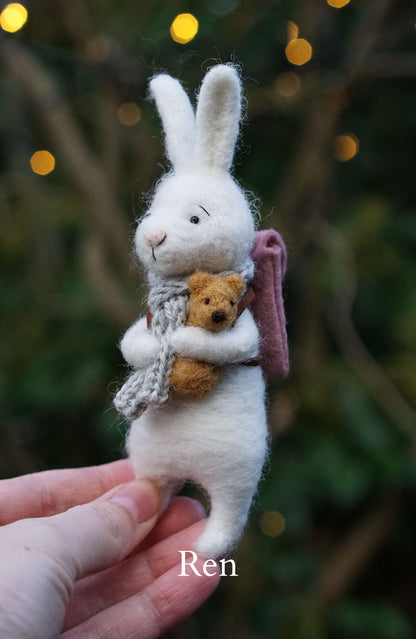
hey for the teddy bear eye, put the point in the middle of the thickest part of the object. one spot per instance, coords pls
(207, 301)
(194, 219)
(232, 303)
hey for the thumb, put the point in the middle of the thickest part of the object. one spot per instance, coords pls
(94, 536)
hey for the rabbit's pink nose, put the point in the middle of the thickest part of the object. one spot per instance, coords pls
(155, 238)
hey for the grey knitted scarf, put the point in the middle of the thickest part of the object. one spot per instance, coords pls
(169, 305)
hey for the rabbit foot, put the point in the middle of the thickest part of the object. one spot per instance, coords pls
(214, 544)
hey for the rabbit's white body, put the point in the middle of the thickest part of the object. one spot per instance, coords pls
(200, 220)
(218, 441)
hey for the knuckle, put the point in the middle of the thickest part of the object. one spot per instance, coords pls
(115, 523)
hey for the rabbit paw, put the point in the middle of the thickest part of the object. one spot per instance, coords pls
(139, 348)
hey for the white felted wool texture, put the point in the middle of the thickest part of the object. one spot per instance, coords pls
(218, 441)
(139, 346)
(222, 239)
(218, 118)
(230, 347)
(200, 220)
(176, 111)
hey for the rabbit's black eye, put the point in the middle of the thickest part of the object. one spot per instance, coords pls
(194, 219)
(207, 301)
(232, 303)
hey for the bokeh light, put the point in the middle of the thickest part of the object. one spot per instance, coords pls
(288, 84)
(346, 147)
(272, 523)
(129, 113)
(292, 30)
(184, 28)
(338, 4)
(42, 162)
(298, 51)
(13, 17)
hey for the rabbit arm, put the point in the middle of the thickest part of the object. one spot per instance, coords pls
(234, 346)
(139, 346)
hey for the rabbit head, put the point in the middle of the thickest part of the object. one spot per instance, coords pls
(199, 218)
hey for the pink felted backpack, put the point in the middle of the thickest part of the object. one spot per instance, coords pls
(269, 257)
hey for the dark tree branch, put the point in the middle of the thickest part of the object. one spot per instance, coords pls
(86, 170)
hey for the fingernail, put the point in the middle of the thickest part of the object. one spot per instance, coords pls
(141, 498)
(199, 508)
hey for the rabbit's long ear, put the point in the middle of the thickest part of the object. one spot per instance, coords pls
(177, 117)
(218, 117)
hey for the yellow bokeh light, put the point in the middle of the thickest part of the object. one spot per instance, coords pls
(292, 31)
(338, 4)
(129, 113)
(184, 28)
(42, 162)
(13, 17)
(298, 51)
(288, 84)
(272, 523)
(346, 147)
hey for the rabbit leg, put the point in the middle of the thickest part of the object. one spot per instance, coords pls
(227, 518)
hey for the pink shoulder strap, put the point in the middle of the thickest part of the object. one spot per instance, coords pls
(269, 257)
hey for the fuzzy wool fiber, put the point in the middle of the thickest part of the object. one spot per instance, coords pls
(213, 305)
(200, 220)
(168, 303)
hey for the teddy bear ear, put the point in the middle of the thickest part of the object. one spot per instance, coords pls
(236, 282)
(198, 281)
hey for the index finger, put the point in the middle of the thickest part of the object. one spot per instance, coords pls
(54, 491)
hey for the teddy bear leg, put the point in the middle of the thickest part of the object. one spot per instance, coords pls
(226, 521)
(193, 379)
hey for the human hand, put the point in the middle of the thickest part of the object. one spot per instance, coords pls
(105, 568)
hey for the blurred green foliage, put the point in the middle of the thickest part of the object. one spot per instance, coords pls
(342, 464)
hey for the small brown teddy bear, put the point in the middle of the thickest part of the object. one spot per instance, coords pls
(213, 305)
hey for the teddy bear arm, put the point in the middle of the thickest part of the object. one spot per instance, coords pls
(138, 345)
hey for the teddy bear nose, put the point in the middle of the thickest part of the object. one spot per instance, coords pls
(155, 238)
(218, 316)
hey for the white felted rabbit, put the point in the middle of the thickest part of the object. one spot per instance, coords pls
(199, 220)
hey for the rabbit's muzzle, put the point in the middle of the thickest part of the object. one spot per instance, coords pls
(155, 238)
